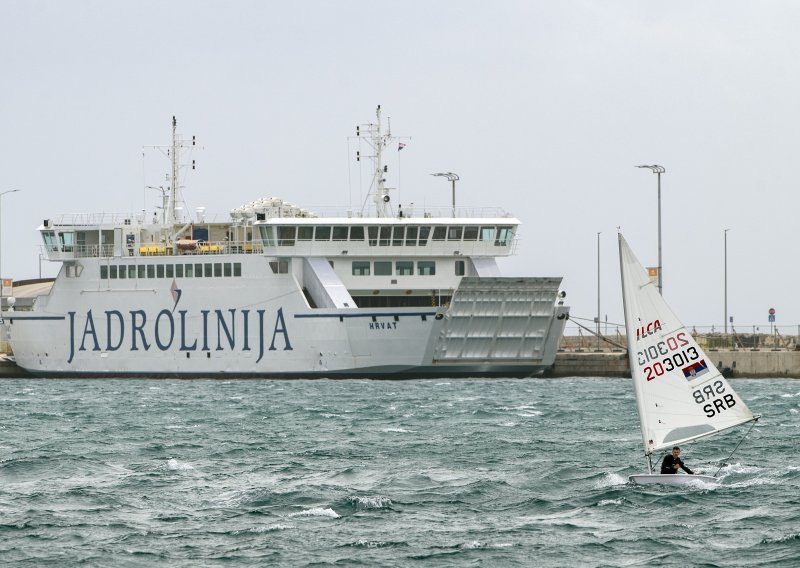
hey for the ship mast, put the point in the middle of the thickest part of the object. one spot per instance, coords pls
(175, 165)
(172, 197)
(378, 141)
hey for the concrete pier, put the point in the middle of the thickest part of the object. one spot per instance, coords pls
(768, 357)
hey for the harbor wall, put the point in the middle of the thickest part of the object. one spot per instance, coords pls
(744, 364)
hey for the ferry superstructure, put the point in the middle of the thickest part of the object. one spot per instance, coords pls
(273, 290)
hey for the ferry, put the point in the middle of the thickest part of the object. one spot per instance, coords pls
(272, 290)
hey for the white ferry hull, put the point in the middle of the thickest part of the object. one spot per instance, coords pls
(263, 327)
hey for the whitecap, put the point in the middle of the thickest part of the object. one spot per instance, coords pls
(175, 465)
(398, 430)
(471, 545)
(316, 512)
(508, 424)
(270, 528)
(610, 480)
(442, 384)
(363, 502)
(605, 502)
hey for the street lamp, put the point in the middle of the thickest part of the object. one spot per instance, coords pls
(451, 177)
(658, 170)
(725, 232)
(598, 291)
(1, 248)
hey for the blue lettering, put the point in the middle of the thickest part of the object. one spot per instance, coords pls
(89, 330)
(205, 329)
(260, 334)
(138, 328)
(245, 314)
(280, 327)
(118, 315)
(71, 336)
(221, 325)
(171, 320)
(185, 347)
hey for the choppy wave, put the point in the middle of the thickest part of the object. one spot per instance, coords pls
(490, 472)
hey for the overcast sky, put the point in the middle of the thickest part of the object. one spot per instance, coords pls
(542, 107)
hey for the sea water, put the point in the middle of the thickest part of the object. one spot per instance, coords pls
(381, 473)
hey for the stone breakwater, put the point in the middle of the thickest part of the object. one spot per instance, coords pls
(748, 363)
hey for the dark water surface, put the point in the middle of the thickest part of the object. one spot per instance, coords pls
(380, 473)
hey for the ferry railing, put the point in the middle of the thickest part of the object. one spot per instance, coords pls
(70, 252)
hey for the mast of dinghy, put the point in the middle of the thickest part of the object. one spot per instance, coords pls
(631, 350)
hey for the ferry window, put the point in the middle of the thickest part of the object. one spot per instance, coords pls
(279, 266)
(227, 268)
(383, 268)
(74, 271)
(487, 234)
(237, 268)
(426, 267)
(340, 233)
(305, 233)
(373, 235)
(459, 268)
(80, 241)
(112, 271)
(404, 268)
(470, 233)
(170, 270)
(439, 233)
(398, 234)
(454, 233)
(103, 272)
(159, 270)
(151, 271)
(50, 241)
(198, 270)
(411, 236)
(385, 234)
(504, 235)
(208, 272)
(132, 271)
(179, 270)
(360, 268)
(267, 235)
(322, 234)
(189, 270)
(123, 272)
(67, 241)
(140, 271)
(285, 237)
(356, 233)
(424, 232)
(218, 269)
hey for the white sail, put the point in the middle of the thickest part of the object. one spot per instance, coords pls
(680, 394)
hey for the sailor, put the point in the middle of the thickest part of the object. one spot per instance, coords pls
(673, 461)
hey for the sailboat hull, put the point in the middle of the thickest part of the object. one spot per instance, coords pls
(671, 479)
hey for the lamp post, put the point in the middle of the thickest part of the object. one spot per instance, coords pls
(452, 178)
(725, 233)
(658, 170)
(598, 290)
(1, 223)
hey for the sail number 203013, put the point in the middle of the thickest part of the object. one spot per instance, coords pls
(667, 355)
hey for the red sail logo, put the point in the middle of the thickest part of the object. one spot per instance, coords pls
(649, 329)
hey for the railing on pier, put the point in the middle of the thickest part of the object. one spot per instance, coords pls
(580, 334)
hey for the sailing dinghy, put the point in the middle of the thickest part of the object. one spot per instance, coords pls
(680, 394)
